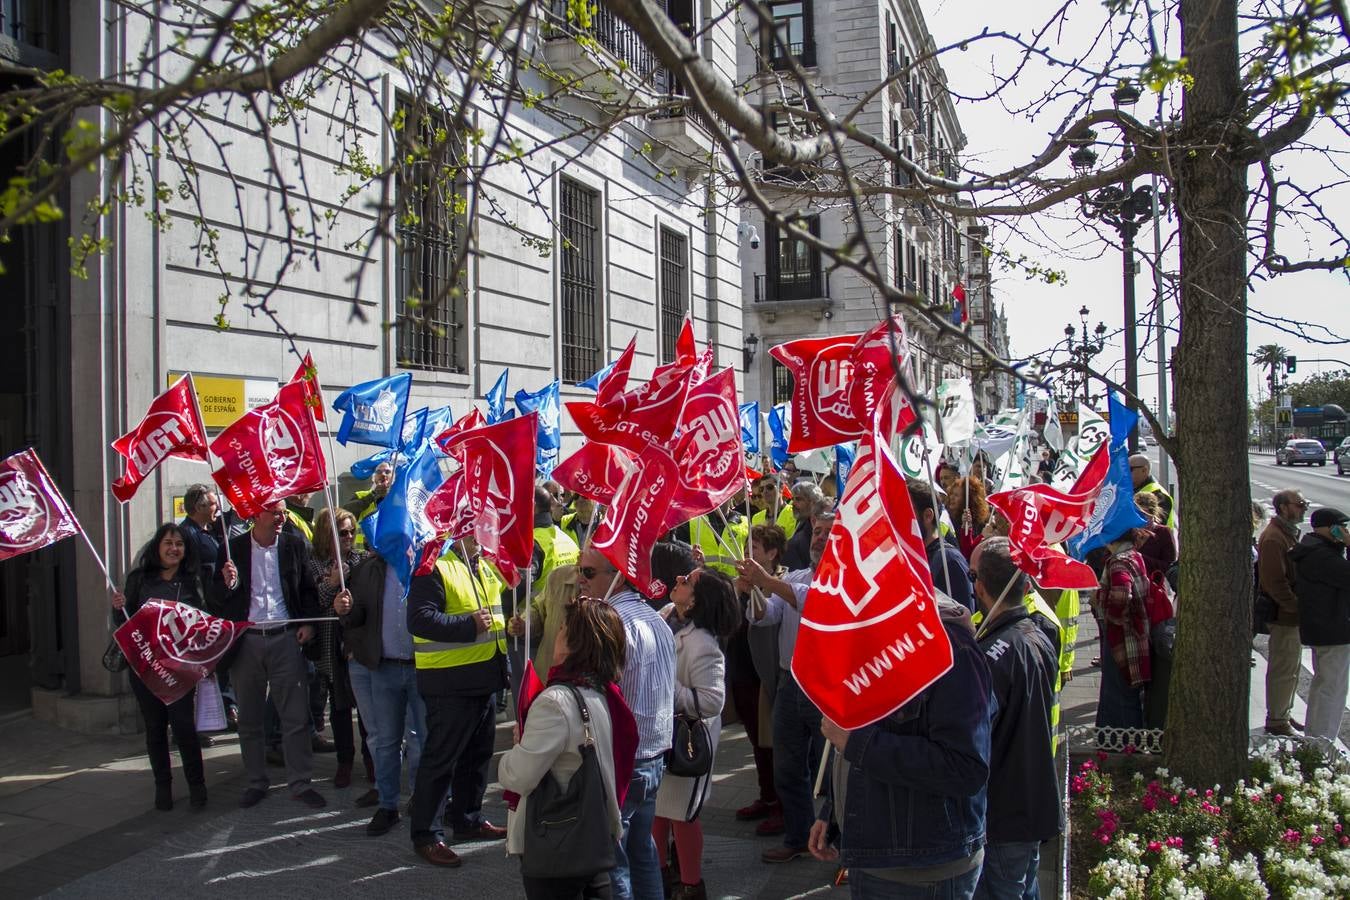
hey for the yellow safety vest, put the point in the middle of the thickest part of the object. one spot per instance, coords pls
(300, 524)
(463, 594)
(703, 535)
(1154, 488)
(568, 526)
(786, 520)
(559, 550)
(365, 514)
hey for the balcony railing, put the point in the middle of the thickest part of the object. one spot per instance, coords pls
(804, 51)
(609, 32)
(814, 285)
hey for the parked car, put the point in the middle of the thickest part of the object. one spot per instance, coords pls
(1342, 456)
(1301, 450)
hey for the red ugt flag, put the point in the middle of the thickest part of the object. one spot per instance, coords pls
(822, 370)
(171, 646)
(1041, 515)
(639, 514)
(33, 514)
(871, 637)
(499, 489)
(594, 471)
(171, 427)
(308, 373)
(709, 450)
(641, 417)
(270, 453)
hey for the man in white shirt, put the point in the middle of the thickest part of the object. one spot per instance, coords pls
(266, 582)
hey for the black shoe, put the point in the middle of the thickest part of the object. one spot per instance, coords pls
(164, 797)
(369, 798)
(197, 796)
(205, 740)
(311, 798)
(381, 822)
(252, 797)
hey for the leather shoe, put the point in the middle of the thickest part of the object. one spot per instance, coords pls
(369, 798)
(252, 797)
(381, 822)
(438, 855)
(1281, 729)
(1296, 724)
(757, 810)
(343, 777)
(484, 832)
(311, 798)
(783, 854)
(771, 827)
(197, 796)
(320, 744)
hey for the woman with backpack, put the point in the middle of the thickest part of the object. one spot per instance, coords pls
(167, 569)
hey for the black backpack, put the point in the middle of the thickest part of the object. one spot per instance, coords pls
(1263, 605)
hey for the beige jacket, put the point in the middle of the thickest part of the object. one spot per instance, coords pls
(553, 731)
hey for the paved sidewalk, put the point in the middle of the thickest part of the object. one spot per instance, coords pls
(76, 821)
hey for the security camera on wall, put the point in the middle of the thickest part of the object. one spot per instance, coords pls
(746, 231)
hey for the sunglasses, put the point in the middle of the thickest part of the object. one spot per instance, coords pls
(588, 572)
(346, 532)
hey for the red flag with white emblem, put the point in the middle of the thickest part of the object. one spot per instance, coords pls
(641, 417)
(33, 514)
(171, 646)
(873, 385)
(472, 419)
(709, 451)
(595, 471)
(1040, 515)
(870, 637)
(638, 516)
(820, 409)
(271, 452)
(171, 427)
(498, 478)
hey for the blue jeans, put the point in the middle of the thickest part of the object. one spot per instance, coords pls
(1009, 871)
(797, 745)
(1118, 704)
(638, 873)
(863, 886)
(391, 707)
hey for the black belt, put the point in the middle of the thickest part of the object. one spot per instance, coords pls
(395, 661)
(268, 632)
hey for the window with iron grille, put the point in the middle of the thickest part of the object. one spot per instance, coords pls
(899, 259)
(792, 21)
(793, 265)
(674, 289)
(579, 261)
(31, 22)
(923, 278)
(782, 383)
(432, 305)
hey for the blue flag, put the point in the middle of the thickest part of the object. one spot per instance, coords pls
(401, 526)
(1114, 512)
(374, 411)
(593, 383)
(437, 421)
(496, 399)
(750, 426)
(546, 401)
(844, 455)
(778, 442)
(419, 429)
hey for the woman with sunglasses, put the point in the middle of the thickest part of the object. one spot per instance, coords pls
(167, 569)
(703, 611)
(330, 568)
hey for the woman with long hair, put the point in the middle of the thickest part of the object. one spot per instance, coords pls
(703, 611)
(330, 568)
(588, 656)
(167, 569)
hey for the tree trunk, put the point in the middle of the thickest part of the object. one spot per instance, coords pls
(1207, 734)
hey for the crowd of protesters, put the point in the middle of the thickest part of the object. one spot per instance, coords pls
(951, 795)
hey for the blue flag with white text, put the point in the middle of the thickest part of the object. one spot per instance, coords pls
(373, 412)
(778, 442)
(750, 426)
(844, 455)
(418, 429)
(547, 403)
(1114, 513)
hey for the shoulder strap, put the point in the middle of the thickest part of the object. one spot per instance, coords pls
(585, 713)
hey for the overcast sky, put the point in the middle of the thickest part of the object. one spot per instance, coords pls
(1037, 312)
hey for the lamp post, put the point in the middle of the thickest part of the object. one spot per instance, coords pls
(1124, 207)
(1088, 346)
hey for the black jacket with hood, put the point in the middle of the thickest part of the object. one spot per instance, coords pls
(1322, 585)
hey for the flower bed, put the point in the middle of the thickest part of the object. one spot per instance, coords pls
(1282, 833)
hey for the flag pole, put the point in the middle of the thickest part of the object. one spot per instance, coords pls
(224, 528)
(820, 772)
(614, 582)
(103, 567)
(529, 598)
(330, 492)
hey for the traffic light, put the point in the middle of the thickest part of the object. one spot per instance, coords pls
(1290, 364)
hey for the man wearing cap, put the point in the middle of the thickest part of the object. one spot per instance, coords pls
(1323, 588)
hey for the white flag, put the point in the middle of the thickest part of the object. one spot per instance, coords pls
(1054, 435)
(1093, 430)
(956, 408)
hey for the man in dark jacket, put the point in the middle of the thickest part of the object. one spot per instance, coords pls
(909, 795)
(951, 575)
(384, 679)
(1024, 807)
(268, 582)
(1323, 589)
(201, 506)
